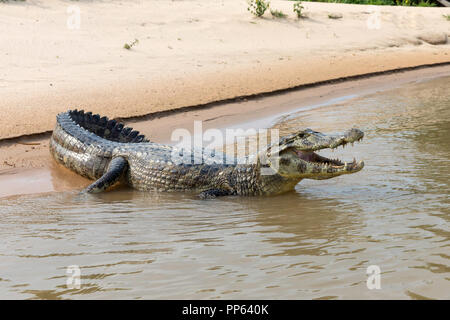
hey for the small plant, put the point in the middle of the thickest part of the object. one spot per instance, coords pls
(446, 16)
(278, 14)
(298, 8)
(129, 46)
(258, 7)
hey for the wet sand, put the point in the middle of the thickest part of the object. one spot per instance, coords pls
(26, 165)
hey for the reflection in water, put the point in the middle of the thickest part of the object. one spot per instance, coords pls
(315, 242)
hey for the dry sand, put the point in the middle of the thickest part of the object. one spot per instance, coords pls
(189, 53)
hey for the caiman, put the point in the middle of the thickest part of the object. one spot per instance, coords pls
(106, 151)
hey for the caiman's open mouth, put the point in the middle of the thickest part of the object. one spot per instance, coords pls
(314, 158)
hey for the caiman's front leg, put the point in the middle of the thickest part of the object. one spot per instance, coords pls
(212, 193)
(116, 169)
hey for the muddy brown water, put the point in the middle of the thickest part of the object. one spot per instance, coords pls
(314, 243)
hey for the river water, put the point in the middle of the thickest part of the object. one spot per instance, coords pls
(314, 243)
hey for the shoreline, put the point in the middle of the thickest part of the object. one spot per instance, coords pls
(250, 97)
(26, 166)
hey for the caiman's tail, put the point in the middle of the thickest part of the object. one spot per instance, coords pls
(84, 142)
(103, 127)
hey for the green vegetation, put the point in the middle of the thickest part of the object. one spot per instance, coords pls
(278, 14)
(298, 9)
(258, 7)
(419, 3)
(446, 16)
(129, 46)
(426, 4)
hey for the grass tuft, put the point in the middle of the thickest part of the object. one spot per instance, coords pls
(278, 14)
(129, 46)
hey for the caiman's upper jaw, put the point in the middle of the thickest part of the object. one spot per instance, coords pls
(310, 140)
(321, 141)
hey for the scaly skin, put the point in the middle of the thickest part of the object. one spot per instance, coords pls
(98, 148)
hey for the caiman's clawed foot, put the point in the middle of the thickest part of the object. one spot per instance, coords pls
(213, 193)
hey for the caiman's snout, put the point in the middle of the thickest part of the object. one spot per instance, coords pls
(315, 140)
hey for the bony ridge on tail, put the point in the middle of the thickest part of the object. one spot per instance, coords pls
(110, 153)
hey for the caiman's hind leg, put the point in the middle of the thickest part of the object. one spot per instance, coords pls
(116, 169)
